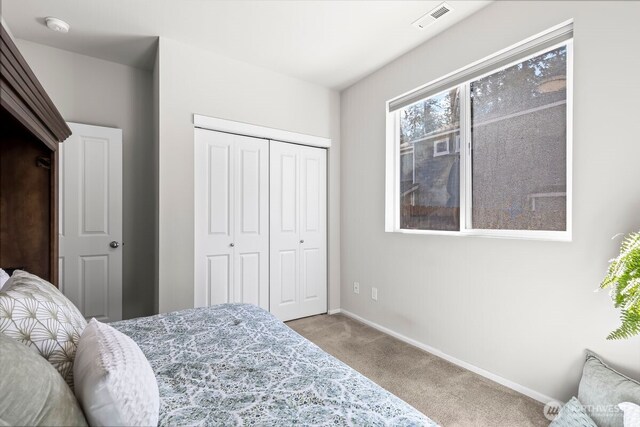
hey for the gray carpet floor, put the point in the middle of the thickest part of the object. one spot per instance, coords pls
(446, 393)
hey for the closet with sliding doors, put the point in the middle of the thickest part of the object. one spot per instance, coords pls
(260, 223)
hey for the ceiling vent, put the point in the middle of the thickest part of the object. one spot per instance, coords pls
(432, 16)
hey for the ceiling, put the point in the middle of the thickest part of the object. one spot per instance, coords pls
(330, 43)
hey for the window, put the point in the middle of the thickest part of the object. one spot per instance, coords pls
(487, 150)
(441, 147)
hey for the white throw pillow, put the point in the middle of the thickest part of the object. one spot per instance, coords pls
(631, 414)
(4, 277)
(113, 379)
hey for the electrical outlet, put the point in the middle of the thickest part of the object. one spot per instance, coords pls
(374, 294)
(356, 287)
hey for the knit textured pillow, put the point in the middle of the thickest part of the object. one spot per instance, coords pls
(115, 383)
(35, 312)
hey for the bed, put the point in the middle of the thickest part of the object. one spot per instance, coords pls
(236, 364)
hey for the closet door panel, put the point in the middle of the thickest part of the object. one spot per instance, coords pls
(248, 178)
(231, 219)
(249, 278)
(313, 230)
(287, 273)
(251, 233)
(284, 237)
(214, 217)
(298, 231)
(311, 276)
(287, 193)
(219, 279)
(219, 188)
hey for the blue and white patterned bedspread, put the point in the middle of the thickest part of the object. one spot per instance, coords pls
(236, 364)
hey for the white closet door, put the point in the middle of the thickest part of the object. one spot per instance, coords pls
(298, 231)
(231, 219)
(313, 231)
(251, 221)
(214, 219)
(285, 230)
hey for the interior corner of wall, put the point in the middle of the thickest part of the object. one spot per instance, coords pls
(7, 28)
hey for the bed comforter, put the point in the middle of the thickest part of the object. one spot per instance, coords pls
(236, 364)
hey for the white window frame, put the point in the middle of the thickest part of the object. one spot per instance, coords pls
(436, 152)
(456, 144)
(392, 201)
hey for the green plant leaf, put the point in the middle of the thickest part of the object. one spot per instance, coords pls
(623, 277)
(629, 328)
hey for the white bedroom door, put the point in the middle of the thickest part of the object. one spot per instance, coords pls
(231, 219)
(298, 231)
(90, 185)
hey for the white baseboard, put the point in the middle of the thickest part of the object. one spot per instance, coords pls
(334, 311)
(493, 377)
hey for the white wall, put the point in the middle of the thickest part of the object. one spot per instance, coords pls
(524, 310)
(93, 91)
(197, 81)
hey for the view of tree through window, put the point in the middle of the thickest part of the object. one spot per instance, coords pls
(430, 164)
(518, 158)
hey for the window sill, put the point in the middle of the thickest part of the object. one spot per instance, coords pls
(549, 236)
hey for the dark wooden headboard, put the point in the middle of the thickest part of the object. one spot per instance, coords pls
(31, 128)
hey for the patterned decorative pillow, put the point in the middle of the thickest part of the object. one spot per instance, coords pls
(35, 312)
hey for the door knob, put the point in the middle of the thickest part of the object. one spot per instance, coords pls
(301, 241)
(231, 244)
(114, 244)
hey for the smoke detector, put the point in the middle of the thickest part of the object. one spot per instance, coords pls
(57, 25)
(432, 16)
